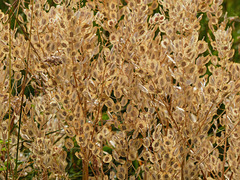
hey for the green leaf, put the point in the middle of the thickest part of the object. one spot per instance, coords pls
(105, 116)
(135, 164)
(3, 168)
(107, 149)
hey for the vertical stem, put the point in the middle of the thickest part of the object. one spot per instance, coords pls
(182, 165)
(10, 90)
(86, 152)
(23, 89)
(224, 154)
(9, 103)
(85, 168)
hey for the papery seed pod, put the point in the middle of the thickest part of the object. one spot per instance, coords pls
(17, 75)
(226, 87)
(146, 155)
(129, 108)
(237, 86)
(69, 143)
(100, 137)
(124, 101)
(131, 5)
(113, 15)
(237, 100)
(191, 69)
(154, 5)
(146, 142)
(201, 46)
(162, 81)
(164, 43)
(202, 70)
(80, 138)
(117, 107)
(107, 158)
(115, 155)
(122, 153)
(87, 127)
(132, 155)
(112, 6)
(96, 151)
(63, 155)
(79, 155)
(120, 176)
(109, 103)
(76, 124)
(110, 23)
(27, 145)
(105, 131)
(69, 131)
(230, 54)
(91, 145)
(30, 133)
(168, 142)
(117, 93)
(156, 145)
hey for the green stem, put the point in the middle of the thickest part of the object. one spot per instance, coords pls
(23, 89)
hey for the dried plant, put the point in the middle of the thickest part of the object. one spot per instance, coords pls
(118, 90)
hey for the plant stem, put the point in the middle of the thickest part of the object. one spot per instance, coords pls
(224, 153)
(23, 89)
(9, 104)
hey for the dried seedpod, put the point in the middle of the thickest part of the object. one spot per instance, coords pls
(107, 158)
(70, 131)
(171, 99)
(69, 144)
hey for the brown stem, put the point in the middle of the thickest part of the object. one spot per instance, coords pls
(182, 166)
(23, 88)
(224, 155)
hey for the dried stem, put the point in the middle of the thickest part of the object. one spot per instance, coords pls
(22, 90)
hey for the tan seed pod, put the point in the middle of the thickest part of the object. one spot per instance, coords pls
(109, 103)
(91, 145)
(226, 87)
(146, 155)
(146, 142)
(69, 131)
(107, 158)
(117, 107)
(120, 176)
(17, 75)
(124, 101)
(100, 137)
(80, 138)
(237, 86)
(202, 70)
(201, 46)
(156, 145)
(76, 124)
(87, 127)
(96, 151)
(113, 15)
(154, 5)
(230, 54)
(69, 143)
(132, 155)
(115, 155)
(112, 6)
(214, 60)
(168, 142)
(117, 93)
